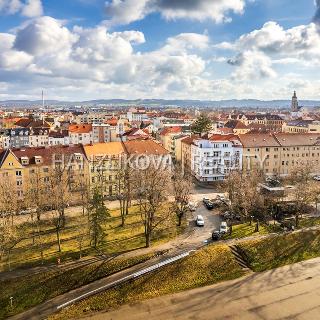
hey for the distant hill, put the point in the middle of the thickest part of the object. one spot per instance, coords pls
(250, 103)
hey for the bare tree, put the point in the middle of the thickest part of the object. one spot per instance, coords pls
(152, 188)
(60, 197)
(123, 190)
(182, 185)
(245, 197)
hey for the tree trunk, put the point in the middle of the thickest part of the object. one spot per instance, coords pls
(180, 219)
(257, 227)
(9, 259)
(148, 240)
(58, 238)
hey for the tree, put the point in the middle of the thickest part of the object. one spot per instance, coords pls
(123, 191)
(202, 125)
(152, 187)
(60, 197)
(304, 192)
(182, 185)
(36, 199)
(245, 197)
(98, 214)
(81, 233)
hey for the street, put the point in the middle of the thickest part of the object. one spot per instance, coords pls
(290, 292)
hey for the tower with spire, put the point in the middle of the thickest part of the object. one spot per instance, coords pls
(294, 103)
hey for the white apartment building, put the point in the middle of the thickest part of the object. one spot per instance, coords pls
(39, 138)
(137, 115)
(59, 138)
(80, 134)
(212, 159)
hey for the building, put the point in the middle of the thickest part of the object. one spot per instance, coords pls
(214, 158)
(80, 134)
(57, 138)
(12, 174)
(294, 103)
(39, 137)
(281, 153)
(301, 126)
(19, 137)
(101, 133)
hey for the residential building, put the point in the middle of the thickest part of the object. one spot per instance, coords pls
(80, 134)
(101, 133)
(12, 173)
(214, 158)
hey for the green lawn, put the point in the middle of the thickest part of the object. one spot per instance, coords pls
(118, 239)
(207, 266)
(309, 222)
(246, 230)
(280, 250)
(33, 290)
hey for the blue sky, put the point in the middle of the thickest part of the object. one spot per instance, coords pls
(192, 49)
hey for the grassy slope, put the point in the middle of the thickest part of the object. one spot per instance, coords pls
(33, 290)
(117, 240)
(207, 266)
(283, 249)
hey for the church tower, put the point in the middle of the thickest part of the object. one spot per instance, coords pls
(294, 103)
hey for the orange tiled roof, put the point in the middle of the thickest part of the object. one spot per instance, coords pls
(80, 128)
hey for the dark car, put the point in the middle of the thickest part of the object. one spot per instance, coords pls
(209, 205)
(287, 225)
(216, 235)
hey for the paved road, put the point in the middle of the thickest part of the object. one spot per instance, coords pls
(290, 292)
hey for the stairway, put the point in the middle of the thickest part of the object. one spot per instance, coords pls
(241, 257)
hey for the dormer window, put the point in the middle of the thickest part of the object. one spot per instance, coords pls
(38, 159)
(25, 160)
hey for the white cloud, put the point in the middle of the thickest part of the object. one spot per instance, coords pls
(27, 8)
(85, 63)
(32, 8)
(127, 11)
(259, 51)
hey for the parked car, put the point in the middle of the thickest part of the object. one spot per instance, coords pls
(316, 178)
(216, 235)
(209, 204)
(192, 206)
(288, 225)
(199, 221)
(223, 227)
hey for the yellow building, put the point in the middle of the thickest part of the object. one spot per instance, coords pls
(104, 161)
(12, 173)
(281, 153)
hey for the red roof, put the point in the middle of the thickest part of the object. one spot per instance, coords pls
(80, 128)
(168, 130)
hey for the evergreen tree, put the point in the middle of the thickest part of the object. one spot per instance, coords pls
(202, 125)
(98, 215)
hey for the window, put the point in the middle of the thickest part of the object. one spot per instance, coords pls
(45, 169)
(19, 183)
(18, 173)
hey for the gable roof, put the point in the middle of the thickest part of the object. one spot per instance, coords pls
(144, 147)
(109, 148)
(251, 140)
(47, 154)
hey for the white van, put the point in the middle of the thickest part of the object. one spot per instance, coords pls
(223, 227)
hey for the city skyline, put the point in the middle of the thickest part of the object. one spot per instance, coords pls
(130, 49)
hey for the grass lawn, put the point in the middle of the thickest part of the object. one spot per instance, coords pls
(245, 230)
(118, 239)
(309, 222)
(207, 266)
(280, 250)
(33, 290)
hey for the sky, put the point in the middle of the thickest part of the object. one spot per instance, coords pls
(170, 49)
